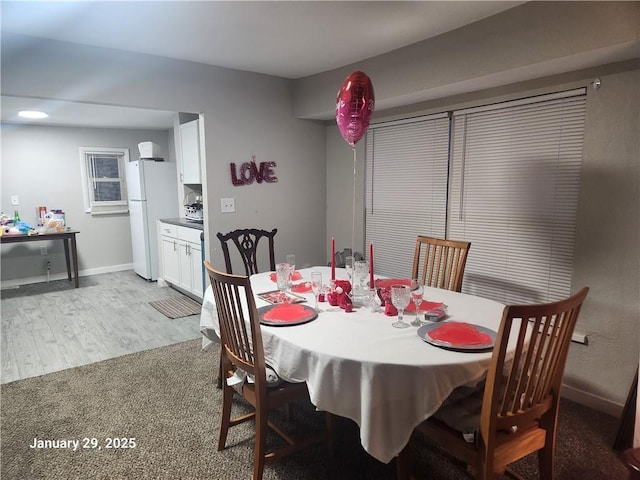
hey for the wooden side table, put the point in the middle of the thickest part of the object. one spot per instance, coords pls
(67, 237)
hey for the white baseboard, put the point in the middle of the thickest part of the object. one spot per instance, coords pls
(592, 401)
(6, 284)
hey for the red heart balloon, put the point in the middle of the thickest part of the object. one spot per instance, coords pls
(354, 107)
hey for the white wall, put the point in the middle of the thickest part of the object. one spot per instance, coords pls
(41, 164)
(533, 40)
(244, 114)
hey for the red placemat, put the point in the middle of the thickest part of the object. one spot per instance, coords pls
(294, 277)
(286, 314)
(459, 334)
(424, 306)
(301, 287)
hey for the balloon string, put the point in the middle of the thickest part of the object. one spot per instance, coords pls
(353, 217)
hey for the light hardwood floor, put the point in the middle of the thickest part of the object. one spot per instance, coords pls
(52, 326)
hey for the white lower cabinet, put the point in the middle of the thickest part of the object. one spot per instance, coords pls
(181, 257)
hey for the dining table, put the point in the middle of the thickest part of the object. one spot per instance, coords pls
(356, 365)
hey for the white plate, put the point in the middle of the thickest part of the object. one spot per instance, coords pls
(423, 330)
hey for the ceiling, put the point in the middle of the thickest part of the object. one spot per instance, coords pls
(285, 39)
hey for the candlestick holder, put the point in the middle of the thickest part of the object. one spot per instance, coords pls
(360, 282)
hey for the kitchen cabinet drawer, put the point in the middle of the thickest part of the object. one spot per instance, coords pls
(169, 230)
(190, 235)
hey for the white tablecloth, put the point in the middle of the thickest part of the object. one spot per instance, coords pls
(358, 366)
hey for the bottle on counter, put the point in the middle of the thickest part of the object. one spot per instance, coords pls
(16, 216)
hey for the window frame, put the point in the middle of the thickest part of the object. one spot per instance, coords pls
(103, 207)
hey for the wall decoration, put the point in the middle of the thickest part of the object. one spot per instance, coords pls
(250, 172)
(354, 107)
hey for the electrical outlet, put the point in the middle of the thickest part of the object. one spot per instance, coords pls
(43, 250)
(14, 200)
(227, 205)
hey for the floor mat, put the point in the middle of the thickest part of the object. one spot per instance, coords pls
(177, 307)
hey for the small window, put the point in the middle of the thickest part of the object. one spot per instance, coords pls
(103, 183)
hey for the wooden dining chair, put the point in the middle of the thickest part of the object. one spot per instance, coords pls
(440, 263)
(516, 412)
(242, 348)
(246, 241)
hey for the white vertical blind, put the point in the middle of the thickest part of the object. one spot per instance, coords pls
(515, 173)
(405, 189)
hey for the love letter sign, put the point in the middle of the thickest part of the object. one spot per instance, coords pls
(250, 172)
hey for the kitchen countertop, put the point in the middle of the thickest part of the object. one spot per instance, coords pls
(183, 222)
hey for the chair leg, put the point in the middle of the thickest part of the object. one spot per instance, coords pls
(261, 444)
(329, 425)
(220, 371)
(485, 470)
(225, 416)
(545, 460)
(546, 453)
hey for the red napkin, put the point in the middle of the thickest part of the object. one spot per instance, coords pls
(287, 312)
(424, 306)
(459, 334)
(294, 277)
(301, 287)
(390, 310)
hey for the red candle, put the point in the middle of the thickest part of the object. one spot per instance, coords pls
(333, 259)
(371, 282)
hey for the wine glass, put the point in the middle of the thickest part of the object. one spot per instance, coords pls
(400, 298)
(348, 266)
(291, 261)
(283, 276)
(373, 301)
(316, 286)
(416, 296)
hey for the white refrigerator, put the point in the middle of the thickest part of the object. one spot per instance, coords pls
(152, 190)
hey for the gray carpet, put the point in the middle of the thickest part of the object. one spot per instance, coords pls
(166, 399)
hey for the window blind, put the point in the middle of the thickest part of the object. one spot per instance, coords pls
(406, 167)
(515, 173)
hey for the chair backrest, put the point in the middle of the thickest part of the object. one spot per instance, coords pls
(246, 241)
(440, 263)
(521, 389)
(240, 335)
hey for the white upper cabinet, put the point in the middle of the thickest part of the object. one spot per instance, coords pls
(190, 152)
